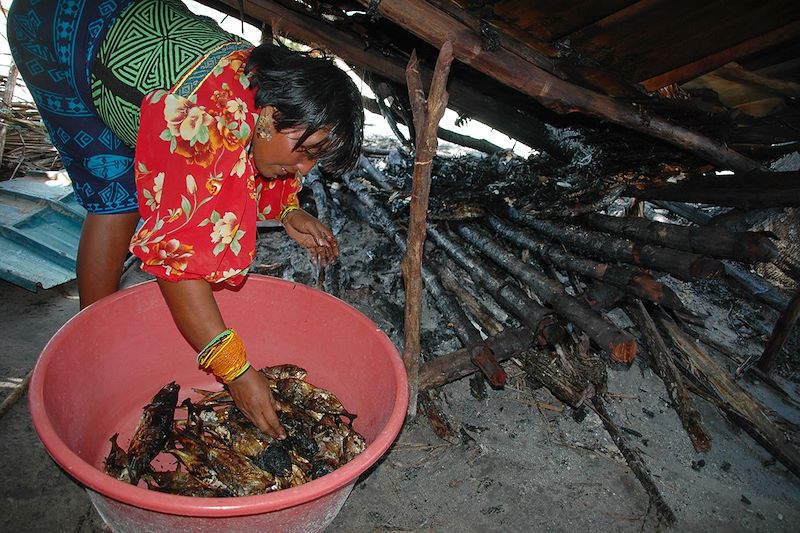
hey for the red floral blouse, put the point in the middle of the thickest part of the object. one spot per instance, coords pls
(199, 191)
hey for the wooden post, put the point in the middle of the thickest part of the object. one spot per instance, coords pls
(426, 120)
(783, 327)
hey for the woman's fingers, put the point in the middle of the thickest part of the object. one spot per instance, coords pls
(317, 238)
(324, 253)
(253, 397)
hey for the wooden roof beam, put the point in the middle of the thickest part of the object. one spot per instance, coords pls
(714, 61)
(435, 27)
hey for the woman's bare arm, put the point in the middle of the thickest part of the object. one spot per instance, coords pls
(197, 315)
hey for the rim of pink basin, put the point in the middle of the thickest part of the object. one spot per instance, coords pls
(94, 479)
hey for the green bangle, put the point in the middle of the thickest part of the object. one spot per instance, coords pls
(286, 210)
(213, 342)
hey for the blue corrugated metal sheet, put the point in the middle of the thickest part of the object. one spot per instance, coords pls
(40, 225)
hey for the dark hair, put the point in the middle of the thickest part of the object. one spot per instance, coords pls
(310, 93)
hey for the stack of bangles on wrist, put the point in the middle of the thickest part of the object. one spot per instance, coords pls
(224, 356)
(286, 210)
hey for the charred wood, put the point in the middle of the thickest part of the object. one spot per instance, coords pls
(385, 92)
(635, 462)
(329, 276)
(453, 313)
(744, 410)
(617, 343)
(782, 224)
(669, 374)
(575, 379)
(378, 217)
(692, 214)
(571, 376)
(439, 421)
(374, 173)
(568, 373)
(631, 279)
(741, 220)
(375, 214)
(745, 198)
(780, 334)
(481, 145)
(450, 282)
(537, 318)
(488, 303)
(768, 380)
(754, 285)
(575, 282)
(602, 296)
(479, 353)
(683, 265)
(375, 151)
(745, 246)
(456, 365)
(530, 313)
(457, 319)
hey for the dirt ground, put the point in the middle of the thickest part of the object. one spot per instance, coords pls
(521, 460)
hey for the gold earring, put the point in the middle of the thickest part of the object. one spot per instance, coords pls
(264, 126)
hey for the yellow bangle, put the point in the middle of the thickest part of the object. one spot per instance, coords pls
(224, 356)
(288, 209)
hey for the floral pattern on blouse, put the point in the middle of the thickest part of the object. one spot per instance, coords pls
(199, 192)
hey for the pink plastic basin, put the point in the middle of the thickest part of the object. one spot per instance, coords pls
(104, 365)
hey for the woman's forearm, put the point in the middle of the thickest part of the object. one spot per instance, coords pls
(194, 309)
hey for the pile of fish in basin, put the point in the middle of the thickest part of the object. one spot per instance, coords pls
(219, 452)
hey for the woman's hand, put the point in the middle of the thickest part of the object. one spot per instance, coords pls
(253, 397)
(312, 235)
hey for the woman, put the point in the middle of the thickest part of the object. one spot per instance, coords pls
(160, 115)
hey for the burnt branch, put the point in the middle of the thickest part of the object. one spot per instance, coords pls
(617, 343)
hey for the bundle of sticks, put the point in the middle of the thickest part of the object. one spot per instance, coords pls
(27, 144)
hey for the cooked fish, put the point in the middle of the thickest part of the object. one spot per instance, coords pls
(305, 395)
(284, 371)
(153, 430)
(116, 463)
(183, 483)
(223, 453)
(233, 470)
